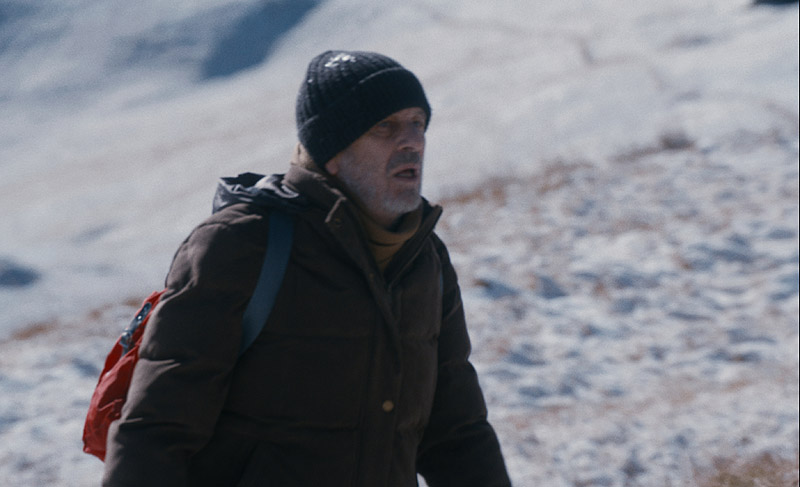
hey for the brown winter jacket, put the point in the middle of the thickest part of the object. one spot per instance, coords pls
(358, 379)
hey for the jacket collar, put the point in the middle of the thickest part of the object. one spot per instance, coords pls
(341, 218)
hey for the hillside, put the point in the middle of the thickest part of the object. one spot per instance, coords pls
(620, 190)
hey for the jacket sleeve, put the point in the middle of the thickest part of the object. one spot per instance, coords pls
(188, 351)
(459, 446)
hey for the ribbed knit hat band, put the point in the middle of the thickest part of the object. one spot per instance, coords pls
(345, 93)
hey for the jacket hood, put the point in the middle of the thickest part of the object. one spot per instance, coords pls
(255, 189)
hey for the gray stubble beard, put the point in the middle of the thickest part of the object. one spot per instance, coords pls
(358, 184)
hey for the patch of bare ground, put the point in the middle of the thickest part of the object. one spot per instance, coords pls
(553, 175)
(34, 330)
(492, 190)
(669, 141)
(106, 320)
(765, 470)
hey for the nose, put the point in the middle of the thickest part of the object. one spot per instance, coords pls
(411, 137)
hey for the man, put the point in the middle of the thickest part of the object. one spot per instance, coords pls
(361, 374)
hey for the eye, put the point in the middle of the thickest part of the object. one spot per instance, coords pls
(384, 127)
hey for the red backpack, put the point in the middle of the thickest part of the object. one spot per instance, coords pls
(112, 387)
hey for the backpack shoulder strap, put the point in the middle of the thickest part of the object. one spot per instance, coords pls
(279, 246)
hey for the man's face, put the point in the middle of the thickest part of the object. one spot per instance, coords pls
(383, 167)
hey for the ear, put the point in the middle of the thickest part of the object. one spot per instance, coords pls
(332, 166)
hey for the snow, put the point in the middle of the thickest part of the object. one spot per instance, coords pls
(620, 186)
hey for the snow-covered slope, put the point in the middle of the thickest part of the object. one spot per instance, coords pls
(621, 200)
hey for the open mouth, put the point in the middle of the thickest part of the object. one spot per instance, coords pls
(407, 174)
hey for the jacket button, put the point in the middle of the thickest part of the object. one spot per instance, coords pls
(388, 406)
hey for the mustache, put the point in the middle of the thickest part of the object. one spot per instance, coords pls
(406, 157)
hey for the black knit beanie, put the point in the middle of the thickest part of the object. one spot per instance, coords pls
(345, 93)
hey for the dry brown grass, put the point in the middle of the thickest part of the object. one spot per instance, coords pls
(34, 330)
(107, 320)
(494, 189)
(552, 175)
(765, 470)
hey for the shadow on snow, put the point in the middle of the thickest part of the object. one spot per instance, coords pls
(252, 38)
